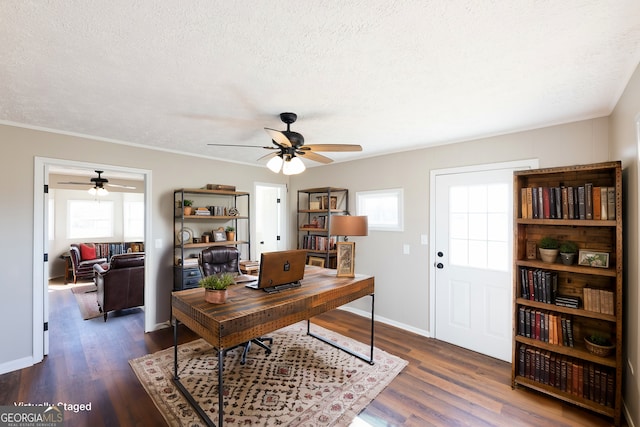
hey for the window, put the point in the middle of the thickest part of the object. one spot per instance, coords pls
(89, 219)
(133, 216)
(384, 208)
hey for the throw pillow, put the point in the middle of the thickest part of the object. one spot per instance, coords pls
(87, 251)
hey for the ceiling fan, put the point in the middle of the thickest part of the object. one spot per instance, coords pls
(289, 147)
(98, 184)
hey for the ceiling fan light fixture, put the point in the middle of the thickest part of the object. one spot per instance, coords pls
(275, 164)
(293, 166)
(100, 191)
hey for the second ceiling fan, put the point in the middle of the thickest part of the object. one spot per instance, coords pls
(289, 147)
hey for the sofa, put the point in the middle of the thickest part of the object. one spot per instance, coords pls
(120, 282)
(83, 258)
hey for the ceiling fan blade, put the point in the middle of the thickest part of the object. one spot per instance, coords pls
(268, 156)
(315, 157)
(128, 187)
(76, 183)
(241, 145)
(278, 137)
(332, 147)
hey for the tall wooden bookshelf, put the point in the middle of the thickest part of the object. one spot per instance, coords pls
(546, 357)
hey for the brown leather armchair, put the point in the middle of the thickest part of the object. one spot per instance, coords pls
(120, 283)
(226, 259)
(83, 268)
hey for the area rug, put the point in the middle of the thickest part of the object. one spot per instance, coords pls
(303, 382)
(87, 300)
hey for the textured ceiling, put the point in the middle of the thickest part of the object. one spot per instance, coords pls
(389, 75)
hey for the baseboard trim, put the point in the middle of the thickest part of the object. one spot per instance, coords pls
(16, 364)
(387, 321)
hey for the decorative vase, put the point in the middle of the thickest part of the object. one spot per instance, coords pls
(188, 210)
(567, 257)
(215, 296)
(231, 236)
(548, 255)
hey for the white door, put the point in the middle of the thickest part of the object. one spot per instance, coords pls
(472, 260)
(270, 218)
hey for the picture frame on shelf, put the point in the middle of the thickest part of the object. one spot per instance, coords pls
(316, 261)
(532, 249)
(591, 258)
(219, 236)
(345, 259)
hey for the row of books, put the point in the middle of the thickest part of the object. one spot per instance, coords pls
(576, 377)
(538, 285)
(581, 202)
(598, 300)
(107, 250)
(217, 210)
(546, 327)
(318, 243)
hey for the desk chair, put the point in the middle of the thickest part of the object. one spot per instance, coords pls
(226, 259)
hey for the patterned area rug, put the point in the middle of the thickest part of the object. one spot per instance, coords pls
(87, 300)
(303, 382)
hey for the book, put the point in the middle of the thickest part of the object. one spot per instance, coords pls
(565, 202)
(558, 198)
(604, 204)
(611, 202)
(570, 203)
(588, 201)
(597, 211)
(581, 203)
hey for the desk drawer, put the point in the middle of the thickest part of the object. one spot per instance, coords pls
(186, 278)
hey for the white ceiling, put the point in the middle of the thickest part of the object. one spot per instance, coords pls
(389, 75)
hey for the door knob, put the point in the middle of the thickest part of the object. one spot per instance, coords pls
(439, 265)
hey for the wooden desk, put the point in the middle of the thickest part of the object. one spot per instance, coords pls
(251, 313)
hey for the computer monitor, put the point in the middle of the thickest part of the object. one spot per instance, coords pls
(280, 270)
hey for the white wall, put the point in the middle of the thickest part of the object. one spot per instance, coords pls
(624, 146)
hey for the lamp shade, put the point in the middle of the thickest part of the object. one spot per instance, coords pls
(347, 225)
(275, 164)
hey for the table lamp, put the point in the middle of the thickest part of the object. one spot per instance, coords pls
(347, 225)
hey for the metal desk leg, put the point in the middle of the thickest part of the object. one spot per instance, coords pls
(185, 392)
(347, 350)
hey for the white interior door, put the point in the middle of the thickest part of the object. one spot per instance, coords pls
(473, 241)
(270, 218)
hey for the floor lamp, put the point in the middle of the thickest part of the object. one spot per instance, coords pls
(347, 225)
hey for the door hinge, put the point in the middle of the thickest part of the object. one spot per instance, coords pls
(46, 326)
(278, 200)
(46, 189)
(46, 257)
(278, 238)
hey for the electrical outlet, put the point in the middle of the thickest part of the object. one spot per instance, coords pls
(424, 239)
(158, 243)
(406, 249)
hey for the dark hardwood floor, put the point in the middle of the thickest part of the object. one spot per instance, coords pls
(443, 385)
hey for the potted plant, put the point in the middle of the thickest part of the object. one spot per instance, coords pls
(599, 344)
(188, 210)
(215, 287)
(568, 251)
(231, 233)
(549, 248)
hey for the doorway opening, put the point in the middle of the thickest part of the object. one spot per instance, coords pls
(42, 253)
(270, 218)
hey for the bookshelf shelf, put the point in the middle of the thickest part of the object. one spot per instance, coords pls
(318, 205)
(558, 363)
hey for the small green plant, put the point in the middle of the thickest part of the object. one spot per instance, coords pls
(548, 243)
(218, 282)
(187, 202)
(598, 339)
(230, 229)
(568, 248)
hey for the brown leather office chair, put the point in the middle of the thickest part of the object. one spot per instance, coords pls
(120, 283)
(226, 259)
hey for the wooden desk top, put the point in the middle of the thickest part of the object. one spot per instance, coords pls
(250, 313)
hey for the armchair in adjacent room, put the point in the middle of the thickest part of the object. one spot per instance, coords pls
(226, 259)
(83, 258)
(120, 283)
